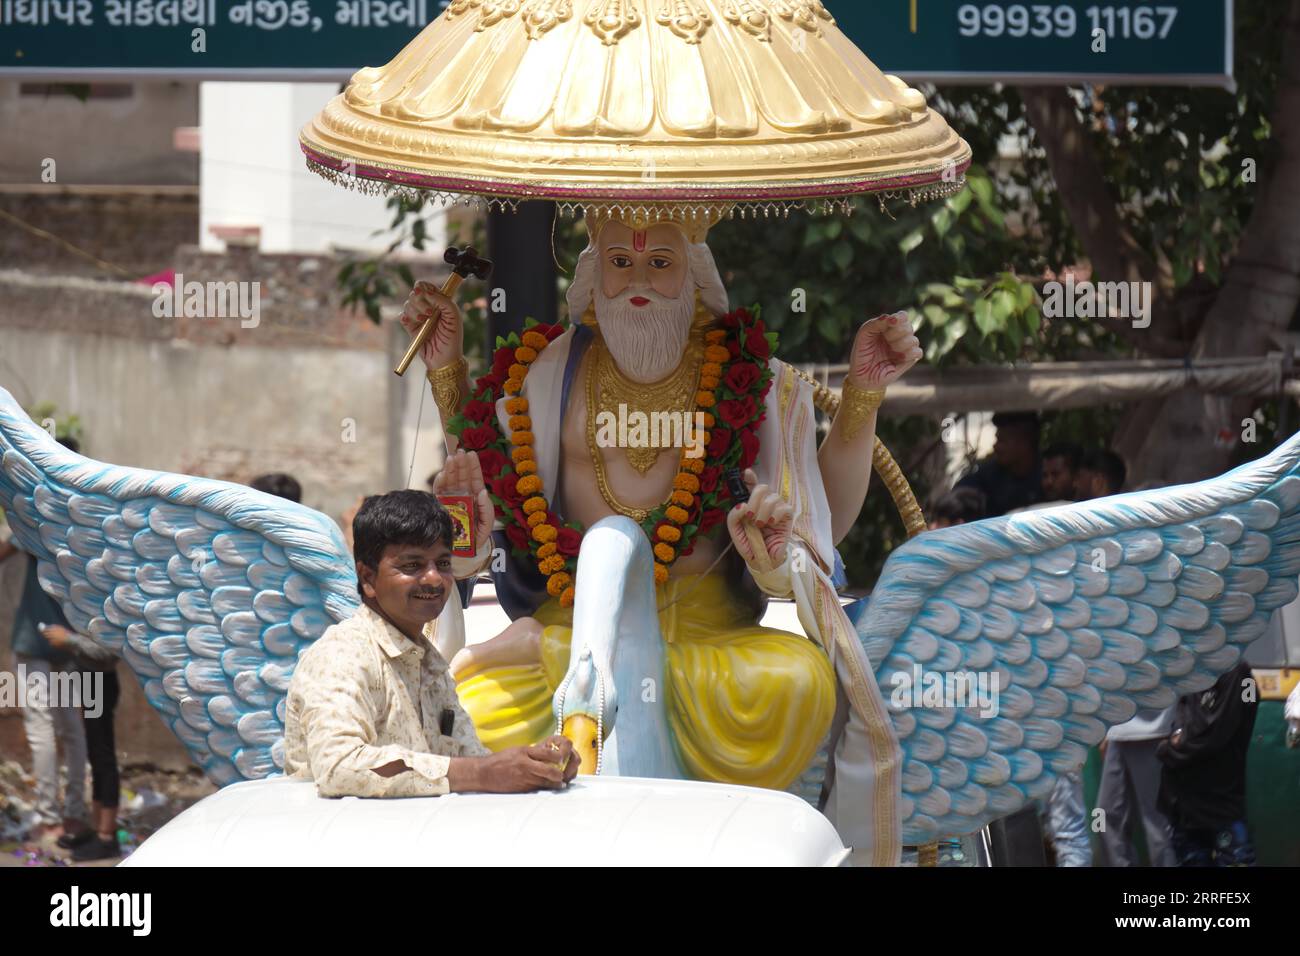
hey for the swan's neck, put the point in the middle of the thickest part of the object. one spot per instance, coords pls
(642, 742)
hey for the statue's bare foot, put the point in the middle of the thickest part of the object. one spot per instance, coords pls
(518, 645)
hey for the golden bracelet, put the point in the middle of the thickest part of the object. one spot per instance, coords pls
(857, 405)
(446, 386)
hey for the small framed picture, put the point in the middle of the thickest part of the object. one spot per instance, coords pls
(461, 509)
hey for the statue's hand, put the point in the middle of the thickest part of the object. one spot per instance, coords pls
(883, 350)
(446, 343)
(463, 474)
(768, 513)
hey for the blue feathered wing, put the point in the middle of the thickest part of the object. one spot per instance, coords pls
(208, 590)
(1085, 613)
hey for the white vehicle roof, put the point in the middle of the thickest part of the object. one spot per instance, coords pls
(597, 821)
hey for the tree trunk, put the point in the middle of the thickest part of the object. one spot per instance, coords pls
(1194, 435)
(1114, 252)
(1190, 435)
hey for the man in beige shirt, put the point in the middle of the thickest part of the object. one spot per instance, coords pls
(372, 708)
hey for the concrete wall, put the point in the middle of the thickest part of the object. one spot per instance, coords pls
(250, 168)
(74, 230)
(225, 413)
(117, 141)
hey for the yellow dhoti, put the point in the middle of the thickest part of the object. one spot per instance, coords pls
(746, 704)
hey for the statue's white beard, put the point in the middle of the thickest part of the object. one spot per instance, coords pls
(646, 343)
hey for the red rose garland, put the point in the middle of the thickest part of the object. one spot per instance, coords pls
(733, 383)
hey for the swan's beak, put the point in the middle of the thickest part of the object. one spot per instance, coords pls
(581, 730)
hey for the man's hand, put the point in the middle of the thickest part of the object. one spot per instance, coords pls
(463, 474)
(767, 511)
(549, 765)
(58, 636)
(446, 343)
(883, 350)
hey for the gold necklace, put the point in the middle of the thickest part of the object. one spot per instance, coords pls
(615, 385)
(621, 397)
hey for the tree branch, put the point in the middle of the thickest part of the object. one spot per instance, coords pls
(1114, 252)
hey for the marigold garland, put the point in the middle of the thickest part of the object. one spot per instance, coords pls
(734, 370)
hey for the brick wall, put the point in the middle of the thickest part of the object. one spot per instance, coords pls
(138, 229)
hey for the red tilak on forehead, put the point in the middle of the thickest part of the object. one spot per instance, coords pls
(638, 241)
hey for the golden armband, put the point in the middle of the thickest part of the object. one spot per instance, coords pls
(446, 386)
(857, 405)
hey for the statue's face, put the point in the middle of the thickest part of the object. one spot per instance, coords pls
(631, 260)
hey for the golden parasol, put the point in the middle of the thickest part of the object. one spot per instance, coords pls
(701, 104)
(688, 110)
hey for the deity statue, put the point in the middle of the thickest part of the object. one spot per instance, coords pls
(745, 703)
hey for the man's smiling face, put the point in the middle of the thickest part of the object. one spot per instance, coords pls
(411, 583)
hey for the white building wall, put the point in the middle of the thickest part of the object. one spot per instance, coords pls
(252, 172)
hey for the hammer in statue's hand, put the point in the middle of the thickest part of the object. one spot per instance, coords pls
(432, 317)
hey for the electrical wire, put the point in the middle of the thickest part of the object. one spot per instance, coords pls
(76, 250)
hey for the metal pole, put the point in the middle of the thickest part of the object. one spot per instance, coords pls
(519, 245)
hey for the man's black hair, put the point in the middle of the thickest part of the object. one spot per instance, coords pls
(962, 504)
(1025, 422)
(1071, 452)
(70, 443)
(279, 484)
(408, 516)
(1107, 464)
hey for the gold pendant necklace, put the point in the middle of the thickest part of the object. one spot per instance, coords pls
(621, 397)
(616, 389)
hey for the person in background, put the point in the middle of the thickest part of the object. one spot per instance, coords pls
(279, 484)
(959, 506)
(1203, 783)
(1060, 464)
(100, 841)
(1130, 789)
(1101, 473)
(49, 728)
(1130, 781)
(1012, 477)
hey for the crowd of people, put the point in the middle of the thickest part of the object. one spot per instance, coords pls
(1179, 773)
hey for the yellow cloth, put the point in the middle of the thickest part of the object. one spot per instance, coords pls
(746, 704)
